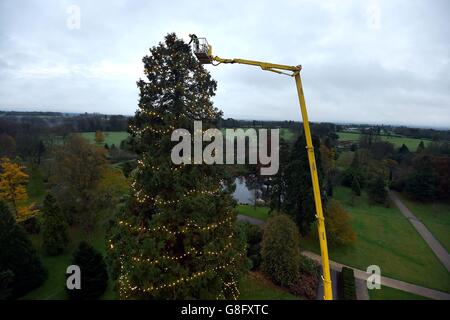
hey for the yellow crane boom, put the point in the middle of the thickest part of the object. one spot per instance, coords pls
(203, 52)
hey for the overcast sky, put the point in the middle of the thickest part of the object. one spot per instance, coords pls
(371, 61)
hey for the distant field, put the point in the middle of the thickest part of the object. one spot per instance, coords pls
(285, 133)
(261, 213)
(411, 143)
(385, 238)
(386, 293)
(435, 216)
(111, 137)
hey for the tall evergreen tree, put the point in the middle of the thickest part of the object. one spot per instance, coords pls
(94, 276)
(299, 199)
(422, 183)
(176, 237)
(420, 147)
(18, 255)
(54, 227)
(377, 190)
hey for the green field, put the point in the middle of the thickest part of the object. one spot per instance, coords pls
(111, 137)
(255, 287)
(261, 213)
(387, 239)
(411, 143)
(53, 288)
(434, 215)
(386, 293)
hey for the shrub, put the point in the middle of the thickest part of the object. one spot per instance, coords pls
(347, 284)
(253, 237)
(6, 283)
(18, 255)
(309, 266)
(377, 190)
(280, 251)
(338, 225)
(94, 277)
(305, 286)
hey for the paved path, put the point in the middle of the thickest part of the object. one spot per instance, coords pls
(250, 220)
(385, 281)
(432, 242)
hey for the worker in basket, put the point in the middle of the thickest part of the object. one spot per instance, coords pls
(194, 39)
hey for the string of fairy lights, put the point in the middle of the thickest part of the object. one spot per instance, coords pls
(153, 95)
(189, 252)
(189, 226)
(126, 289)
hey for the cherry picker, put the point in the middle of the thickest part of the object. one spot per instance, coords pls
(203, 51)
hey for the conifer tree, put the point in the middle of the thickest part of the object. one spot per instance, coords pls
(54, 227)
(94, 276)
(299, 198)
(18, 255)
(175, 239)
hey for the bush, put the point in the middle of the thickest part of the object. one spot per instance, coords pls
(6, 284)
(18, 255)
(253, 236)
(280, 252)
(347, 284)
(305, 286)
(376, 190)
(309, 266)
(94, 277)
(338, 225)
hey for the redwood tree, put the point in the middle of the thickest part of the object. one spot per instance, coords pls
(175, 238)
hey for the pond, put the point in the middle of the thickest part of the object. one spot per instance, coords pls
(243, 194)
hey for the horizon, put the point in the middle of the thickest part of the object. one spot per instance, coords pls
(362, 61)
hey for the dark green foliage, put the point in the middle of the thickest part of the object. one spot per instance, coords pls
(354, 172)
(253, 236)
(422, 183)
(94, 276)
(6, 284)
(299, 198)
(377, 191)
(309, 266)
(347, 284)
(127, 167)
(420, 147)
(18, 255)
(356, 188)
(178, 207)
(54, 227)
(280, 250)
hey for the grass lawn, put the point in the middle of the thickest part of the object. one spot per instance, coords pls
(54, 287)
(111, 137)
(387, 239)
(434, 215)
(386, 293)
(255, 287)
(261, 213)
(411, 143)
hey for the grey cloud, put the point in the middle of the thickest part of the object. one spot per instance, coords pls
(393, 71)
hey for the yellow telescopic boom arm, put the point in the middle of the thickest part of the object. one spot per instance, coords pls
(203, 51)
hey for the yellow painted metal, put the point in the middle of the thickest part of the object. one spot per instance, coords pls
(295, 72)
(327, 288)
